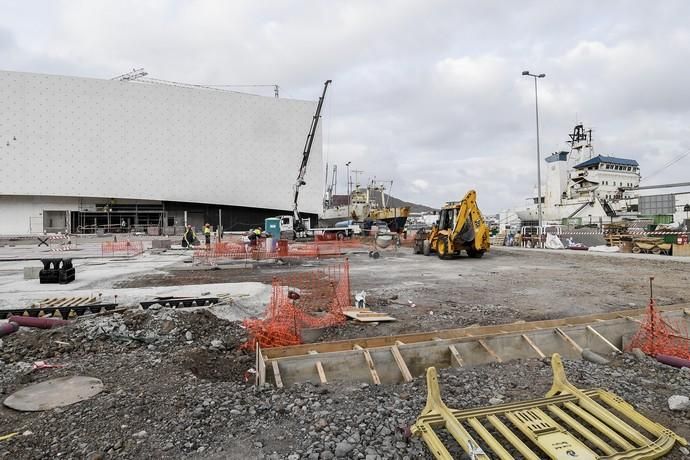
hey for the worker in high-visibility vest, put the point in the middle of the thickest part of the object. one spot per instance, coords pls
(207, 234)
(254, 236)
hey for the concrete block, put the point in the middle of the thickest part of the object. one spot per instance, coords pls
(161, 244)
(31, 273)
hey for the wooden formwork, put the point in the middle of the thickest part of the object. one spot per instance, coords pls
(392, 359)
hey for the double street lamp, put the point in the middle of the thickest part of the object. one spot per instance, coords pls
(536, 111)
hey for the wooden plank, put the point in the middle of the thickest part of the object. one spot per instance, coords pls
(519, 327)
(455, 355)
(630, 318)
(603, 339)
(276, 374)
(370, 363)
(398, 343)
(534, 346)
(401, 364)
(568, 340)
(260, 365)
(490, 351)
(319, 368)
(60, 302)
(367, 316)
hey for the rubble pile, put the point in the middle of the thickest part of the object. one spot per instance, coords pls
(153, 328)
(180, 392)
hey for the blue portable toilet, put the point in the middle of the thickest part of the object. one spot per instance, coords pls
(272, 226)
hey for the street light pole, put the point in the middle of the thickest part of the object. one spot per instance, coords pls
(536, 111)
(348, 189)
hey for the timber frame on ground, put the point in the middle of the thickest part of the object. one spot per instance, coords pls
(393, 359)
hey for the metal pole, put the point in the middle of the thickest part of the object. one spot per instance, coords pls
(348, 190)
(536, 111)
(220, 224)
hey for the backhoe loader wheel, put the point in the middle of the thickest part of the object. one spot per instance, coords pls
(442, 248)
(475, 254)
(426, 247)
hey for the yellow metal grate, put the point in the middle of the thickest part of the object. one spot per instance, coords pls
(567, 424)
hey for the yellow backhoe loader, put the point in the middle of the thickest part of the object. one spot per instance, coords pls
(460, 227)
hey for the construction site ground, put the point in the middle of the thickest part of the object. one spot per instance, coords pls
(177, 385)
(507, 285)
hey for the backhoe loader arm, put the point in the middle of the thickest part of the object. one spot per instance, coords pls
(469, 215)
(464, 211)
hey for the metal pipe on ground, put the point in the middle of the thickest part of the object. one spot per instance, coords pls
(673, 361)
(8, 328)
(592, 357)
(40, 323)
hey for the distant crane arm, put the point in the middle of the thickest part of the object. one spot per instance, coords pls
(305, 157)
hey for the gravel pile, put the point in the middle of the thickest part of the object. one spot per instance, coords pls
(181, 397)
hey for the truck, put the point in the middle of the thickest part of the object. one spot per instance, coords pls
(460, 227)
(287, 230)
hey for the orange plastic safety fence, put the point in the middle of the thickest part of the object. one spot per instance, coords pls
(238, 251)
(313, 299)
(128, 248)
(657, 336)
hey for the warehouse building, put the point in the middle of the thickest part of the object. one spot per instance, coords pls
(87, 155)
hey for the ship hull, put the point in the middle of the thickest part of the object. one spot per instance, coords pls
(395, 218)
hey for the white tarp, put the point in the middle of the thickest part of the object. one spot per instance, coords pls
(553, 242)
(604, 249)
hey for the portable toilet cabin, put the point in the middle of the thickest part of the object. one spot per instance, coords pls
(273, 227)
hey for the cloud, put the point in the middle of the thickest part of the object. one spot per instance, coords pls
(427, 94)
(420, 184)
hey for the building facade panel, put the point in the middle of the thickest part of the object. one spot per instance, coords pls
(83, 137)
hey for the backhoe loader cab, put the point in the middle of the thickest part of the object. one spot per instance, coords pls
(460, 227)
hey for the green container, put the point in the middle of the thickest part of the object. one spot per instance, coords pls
(272, 226)
(670, 238)
(660, 219)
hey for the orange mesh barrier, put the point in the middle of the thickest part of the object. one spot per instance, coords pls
(657, 336)
(124, 248)
(302, 300)
(239, 251)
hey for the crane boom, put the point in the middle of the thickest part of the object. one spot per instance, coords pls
(305, 158)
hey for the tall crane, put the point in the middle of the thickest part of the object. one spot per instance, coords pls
(297, 220)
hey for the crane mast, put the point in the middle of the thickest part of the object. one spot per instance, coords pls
(298, 226)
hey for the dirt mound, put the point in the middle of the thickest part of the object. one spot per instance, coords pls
(214, 366)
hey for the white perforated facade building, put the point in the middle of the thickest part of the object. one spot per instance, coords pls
(83, 148)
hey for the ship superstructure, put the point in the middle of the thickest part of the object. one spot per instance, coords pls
(583, 185)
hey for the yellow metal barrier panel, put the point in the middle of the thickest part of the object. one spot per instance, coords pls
(567, 424)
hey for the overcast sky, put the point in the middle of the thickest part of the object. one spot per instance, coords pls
(426, 93)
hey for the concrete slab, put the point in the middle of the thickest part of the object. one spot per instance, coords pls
(59, 392)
